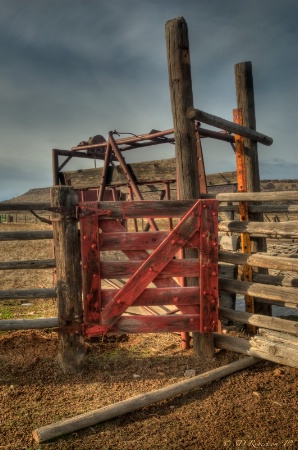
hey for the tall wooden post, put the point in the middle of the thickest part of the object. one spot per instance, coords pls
(185, 137)
(246, 102)
(69, 281)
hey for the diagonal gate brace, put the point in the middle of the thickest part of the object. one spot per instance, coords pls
(152, 266)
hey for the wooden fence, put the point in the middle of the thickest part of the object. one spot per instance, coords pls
(276, 339)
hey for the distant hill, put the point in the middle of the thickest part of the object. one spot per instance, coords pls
(216, 183)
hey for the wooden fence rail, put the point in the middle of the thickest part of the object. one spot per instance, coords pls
(16, 294)
(273, 323)
(30, 264)
(28, 324)
(260, 228)
(25, 235)
(260, 260)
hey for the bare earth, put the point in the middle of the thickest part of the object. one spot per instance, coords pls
(255, 408)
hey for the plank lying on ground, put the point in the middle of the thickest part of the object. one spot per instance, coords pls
(30, 264)
(85, 420)
(28, 324)
(27, 293)
(260, 260)
(275, 295)
(25, 235)
(272, 323)
(281, 350)
(289, 228)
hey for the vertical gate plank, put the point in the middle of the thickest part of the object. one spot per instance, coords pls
(91, 269)
(208, 255)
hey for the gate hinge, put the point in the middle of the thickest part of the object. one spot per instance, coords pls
(71, 329)
(67, 213)
(95, 330)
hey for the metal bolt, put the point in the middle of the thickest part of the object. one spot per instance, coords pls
(85, 237)
(213, 273)
(85, 266)
(93, 246)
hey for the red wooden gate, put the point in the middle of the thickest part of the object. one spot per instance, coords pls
(101, 231)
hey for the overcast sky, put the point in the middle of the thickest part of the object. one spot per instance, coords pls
(73, 69)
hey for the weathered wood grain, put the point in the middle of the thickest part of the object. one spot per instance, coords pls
(69, 281)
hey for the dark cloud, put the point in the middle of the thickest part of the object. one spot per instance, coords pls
(70, 70)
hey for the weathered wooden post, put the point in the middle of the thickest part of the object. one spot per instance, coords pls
(69, 281)
(185, 137)
(246, 102)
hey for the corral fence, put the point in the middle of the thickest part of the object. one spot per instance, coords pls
(276, 338)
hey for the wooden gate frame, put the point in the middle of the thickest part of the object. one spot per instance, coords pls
(104, 308)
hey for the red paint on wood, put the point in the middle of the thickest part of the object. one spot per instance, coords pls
(208, 254)
(149, 324)
(90, 269)
(152, 266)
(175, 268)
(197, 229)
(138, 241)
(159, 296)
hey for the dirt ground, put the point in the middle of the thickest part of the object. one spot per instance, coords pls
(254, 408)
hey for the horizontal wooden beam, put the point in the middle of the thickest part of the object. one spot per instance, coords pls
(276, 196)
(275, 295)
(159, 296)
(25, 235)
(26, 206)
(260, 260)
(157, 324)
(29, 264)
(275, 280)
(289, 228)
(279, 350)
(27, 293)
(201, 116)
(175, 268)
(28, 324)
(145, 208)
(273, 208)
(136, 240)
(272, 323)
